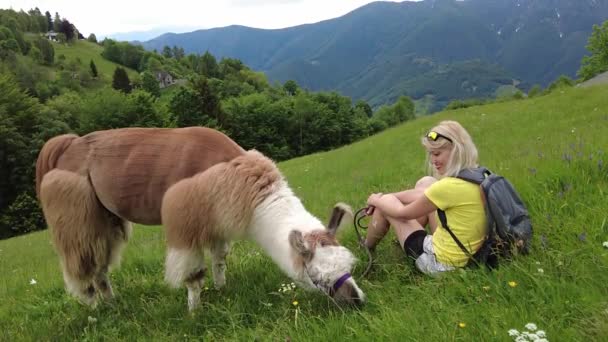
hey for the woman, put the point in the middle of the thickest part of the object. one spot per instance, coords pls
(450, 149)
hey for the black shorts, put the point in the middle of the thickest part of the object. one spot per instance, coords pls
(413, 245)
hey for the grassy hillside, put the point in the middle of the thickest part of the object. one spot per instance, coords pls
(552, 148)
(88, 51)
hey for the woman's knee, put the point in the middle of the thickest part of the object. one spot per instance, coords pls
(425, 182)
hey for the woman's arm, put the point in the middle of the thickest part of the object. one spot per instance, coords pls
(390, 205)
(409, 196)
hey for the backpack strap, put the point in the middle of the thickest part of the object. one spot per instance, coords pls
(444, 224)
(474, 175)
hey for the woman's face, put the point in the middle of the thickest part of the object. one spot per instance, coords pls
(440, 159)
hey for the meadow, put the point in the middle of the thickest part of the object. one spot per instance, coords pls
(552, 148)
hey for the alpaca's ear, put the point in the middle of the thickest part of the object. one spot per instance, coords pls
(296, 240)
(340, 214)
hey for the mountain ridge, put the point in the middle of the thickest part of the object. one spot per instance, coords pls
(533, 41)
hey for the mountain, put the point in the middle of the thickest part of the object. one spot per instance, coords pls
(146, 35)
(385, 49)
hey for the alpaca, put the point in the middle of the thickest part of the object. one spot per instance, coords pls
(92, 187)
(248, 197)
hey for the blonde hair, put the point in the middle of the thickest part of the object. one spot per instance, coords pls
(463, 153)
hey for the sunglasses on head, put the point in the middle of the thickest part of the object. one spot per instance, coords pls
(434, 136)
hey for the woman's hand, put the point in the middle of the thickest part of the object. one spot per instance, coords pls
(372, 202)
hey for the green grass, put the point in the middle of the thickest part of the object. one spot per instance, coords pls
(88, 51)
(553, 148)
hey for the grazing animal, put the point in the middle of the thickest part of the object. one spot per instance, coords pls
(91, 188)
(248, 197)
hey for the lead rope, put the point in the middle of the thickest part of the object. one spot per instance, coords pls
(360, 215)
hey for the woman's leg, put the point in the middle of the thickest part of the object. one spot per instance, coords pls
(429, 220)
(379, 225)
(404, 228)
(376, 229)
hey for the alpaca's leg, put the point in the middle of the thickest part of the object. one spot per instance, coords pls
(85, 235)
(103, 285)
(219, 251)
(121, 231)
(79, 287)
(186, 266)
(194, 285)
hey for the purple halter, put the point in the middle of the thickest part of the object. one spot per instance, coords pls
(339, 283)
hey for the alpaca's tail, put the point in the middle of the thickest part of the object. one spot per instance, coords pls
(49, 154)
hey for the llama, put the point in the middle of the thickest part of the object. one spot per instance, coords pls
(92, 187)
(248, 197)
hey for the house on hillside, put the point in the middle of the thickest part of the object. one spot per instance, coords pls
(164, 79)
(51, 35)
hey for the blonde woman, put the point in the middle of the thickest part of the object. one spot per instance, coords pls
(449, 150)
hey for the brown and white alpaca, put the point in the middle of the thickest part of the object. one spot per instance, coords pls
(91, 188)
(248, 197)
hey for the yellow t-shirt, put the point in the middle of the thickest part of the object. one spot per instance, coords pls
(464, 210)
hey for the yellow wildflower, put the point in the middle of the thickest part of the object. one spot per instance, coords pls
(462, 325)
(295, 303)
(512, 283)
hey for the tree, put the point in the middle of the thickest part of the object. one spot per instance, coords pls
(404, 109)
(47, 51)
(597, 44)
(209, 65)
(24, 126)
(68, 29)
(57, 22)
(120, 80)
(93, 69)
(535, 91)
(49, 21)
(167, 53)
(178, 52)
(92, 38)
(365, 108)
(196, 105)
(290, 87)
(150, 83)
(141, 110)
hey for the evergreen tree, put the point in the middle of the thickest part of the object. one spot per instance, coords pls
(167, 53)
(56, 22)
(93, 69)
(178, 52)
(49, 21)
(120, 80)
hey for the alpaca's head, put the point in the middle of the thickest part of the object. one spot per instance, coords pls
(325, 264)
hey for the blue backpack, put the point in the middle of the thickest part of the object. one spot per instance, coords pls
(509, 229)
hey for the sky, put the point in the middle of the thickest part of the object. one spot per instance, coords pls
(105, 17)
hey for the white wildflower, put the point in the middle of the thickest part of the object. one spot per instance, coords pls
(92, 319)
(542, 340)
(605, 244)
(541, 333)
(513, 332)
(540, 270)
(533, 337)
(531, 326)
(33, 281)
(538, 262)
